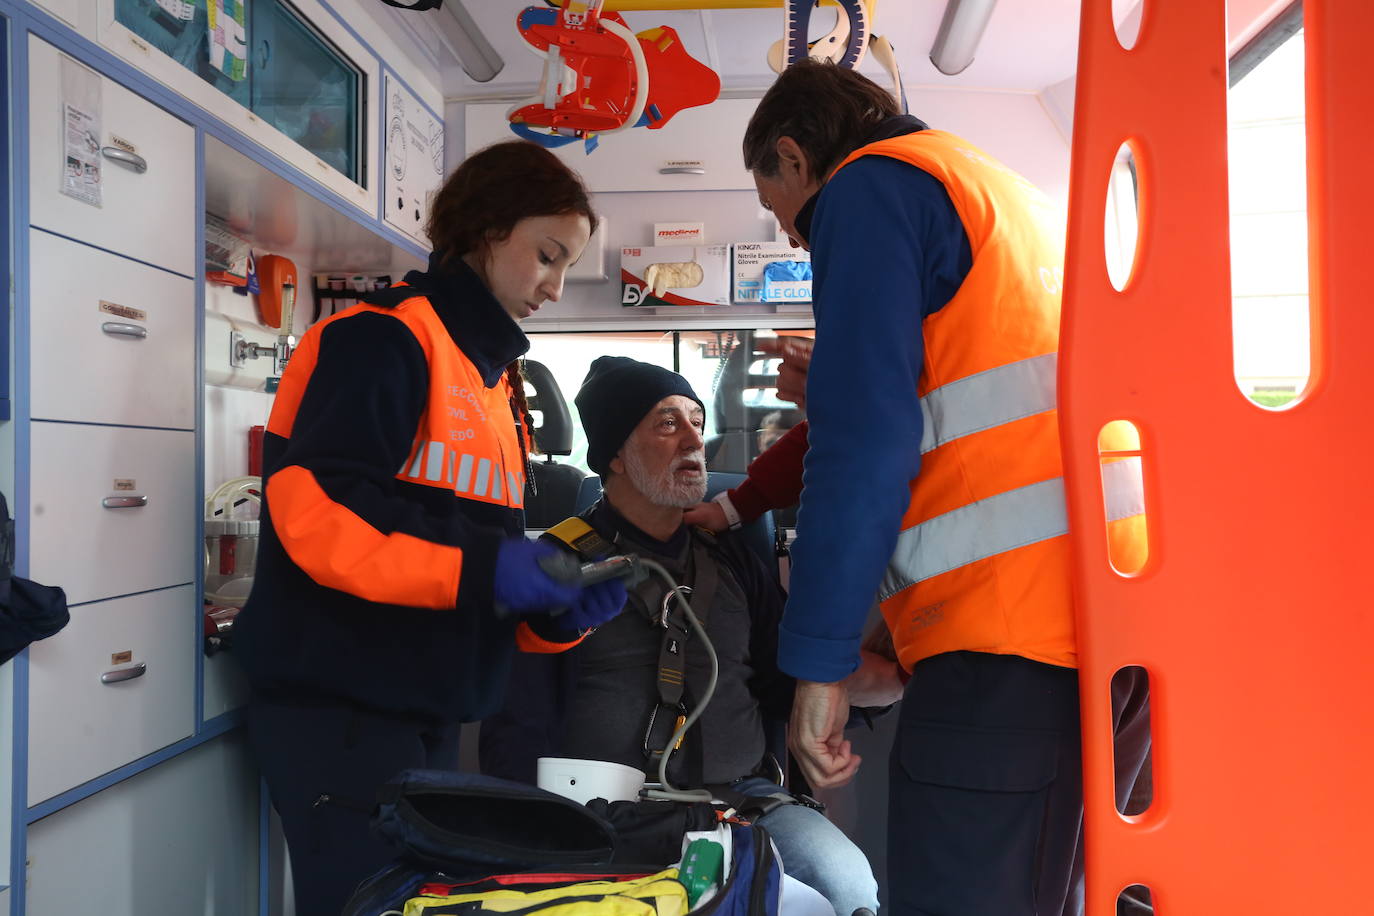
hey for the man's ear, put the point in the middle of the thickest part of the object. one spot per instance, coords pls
(792, 160)
(617, 464)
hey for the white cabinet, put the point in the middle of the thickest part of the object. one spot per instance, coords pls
(113, 340)
(112, 509)
(116, 684)
(178, 840)
(148, 215)
(640, 159)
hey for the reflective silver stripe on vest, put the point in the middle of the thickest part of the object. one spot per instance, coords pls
(1000, 523)
(516, 488)
(495, 482)
(483, 475)
(1026, 515)
(419, 460)
(464, 474)
(1123, 486)
(1002, 395)
(434, 464)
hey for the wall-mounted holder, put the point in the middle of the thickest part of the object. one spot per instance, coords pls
(241, 350)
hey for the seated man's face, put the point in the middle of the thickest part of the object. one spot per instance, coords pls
(664, 457)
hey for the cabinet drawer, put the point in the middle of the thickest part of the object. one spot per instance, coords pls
(181, 838)
(149, 215)
(113, 509)
(77, 699)
(125, 333)
(635, 159)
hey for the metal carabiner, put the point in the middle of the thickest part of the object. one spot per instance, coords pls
(681, 717)
(668, 597)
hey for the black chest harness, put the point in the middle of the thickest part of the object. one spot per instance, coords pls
(663, 609)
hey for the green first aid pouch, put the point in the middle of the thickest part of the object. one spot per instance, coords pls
(701, 867)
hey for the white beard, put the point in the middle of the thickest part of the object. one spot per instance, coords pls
(664, 489)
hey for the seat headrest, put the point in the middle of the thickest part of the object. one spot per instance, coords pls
(554, 434)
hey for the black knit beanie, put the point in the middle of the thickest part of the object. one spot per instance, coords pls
(615, 396)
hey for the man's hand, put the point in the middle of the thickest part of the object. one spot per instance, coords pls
(796, 360)
(708, 515)
(875, 682)
(816, 735)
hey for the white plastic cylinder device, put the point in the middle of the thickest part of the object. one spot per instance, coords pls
(583, 780)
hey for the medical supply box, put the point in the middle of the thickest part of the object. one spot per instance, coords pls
(748, 262)
(675, 275)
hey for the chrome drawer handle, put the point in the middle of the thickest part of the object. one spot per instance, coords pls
(115, 675)
(120, 329)
(124, 502)
(682, 170)
(132, 160)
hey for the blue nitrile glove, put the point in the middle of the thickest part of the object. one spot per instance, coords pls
(522, 586)
(598, 604)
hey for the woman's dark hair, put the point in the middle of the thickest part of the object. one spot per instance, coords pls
(497, 187)
(828, 110)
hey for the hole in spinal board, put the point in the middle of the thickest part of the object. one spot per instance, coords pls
(1135, 900)
(1273, 347)
(1126, 17)
(1122, 462)
(1132, 741)
(1121, 221)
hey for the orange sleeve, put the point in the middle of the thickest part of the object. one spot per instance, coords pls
(336, 548)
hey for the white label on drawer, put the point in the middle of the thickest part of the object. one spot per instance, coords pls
(121, 658)
(123, 311)
(125, 483)
(117, 140)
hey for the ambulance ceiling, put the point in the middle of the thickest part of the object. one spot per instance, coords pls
(1028, 46)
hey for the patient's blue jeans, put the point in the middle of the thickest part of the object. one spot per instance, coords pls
(816, 852)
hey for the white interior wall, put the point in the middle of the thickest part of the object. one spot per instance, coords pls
(230, 409)
(1015, 127)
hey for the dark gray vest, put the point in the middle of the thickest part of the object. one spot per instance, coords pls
(617, 686)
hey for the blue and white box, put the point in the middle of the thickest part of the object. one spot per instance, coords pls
(748, 260)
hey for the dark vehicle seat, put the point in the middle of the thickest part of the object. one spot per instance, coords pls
(556, 483)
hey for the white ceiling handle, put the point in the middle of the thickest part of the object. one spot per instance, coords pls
(641, 74)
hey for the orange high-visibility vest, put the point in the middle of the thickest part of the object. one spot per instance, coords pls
(466, 440)
(982, 560)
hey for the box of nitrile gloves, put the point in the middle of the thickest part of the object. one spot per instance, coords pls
(753, 282)
(675, 275)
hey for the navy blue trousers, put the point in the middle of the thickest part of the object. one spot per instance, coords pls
(323, 765)
(986, 786)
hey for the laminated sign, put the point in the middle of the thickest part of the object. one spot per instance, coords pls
(414, 159)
